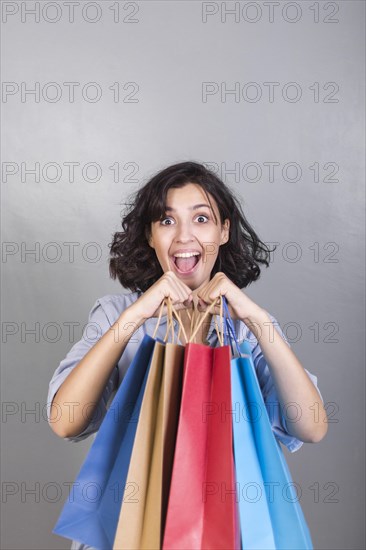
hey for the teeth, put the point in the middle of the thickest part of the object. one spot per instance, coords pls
(186, 254)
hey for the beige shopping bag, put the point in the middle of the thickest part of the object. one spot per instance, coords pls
(141, 520)
(164, 446)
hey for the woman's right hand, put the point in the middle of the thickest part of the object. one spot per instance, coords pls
(149, 303)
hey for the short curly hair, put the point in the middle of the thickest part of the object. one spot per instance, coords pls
(134, 262)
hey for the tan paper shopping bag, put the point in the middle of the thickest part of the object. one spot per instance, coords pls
(164, 446)
(130, 523)
(142, 516)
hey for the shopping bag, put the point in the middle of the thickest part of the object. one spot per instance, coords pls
(221, 521)
(270, 514)
(197, 515)
(90, 515)
(166, 430)
(141, 517)
(256, 526)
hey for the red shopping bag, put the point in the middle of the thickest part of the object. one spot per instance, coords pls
(221, 518)
(202, 506)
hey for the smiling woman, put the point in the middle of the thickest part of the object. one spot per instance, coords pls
(185, 237)
(190, 242)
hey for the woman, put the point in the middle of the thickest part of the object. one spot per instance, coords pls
(186, 237)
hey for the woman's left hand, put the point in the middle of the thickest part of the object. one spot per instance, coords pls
(239, 305)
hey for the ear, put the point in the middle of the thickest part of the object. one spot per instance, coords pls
(225, 231)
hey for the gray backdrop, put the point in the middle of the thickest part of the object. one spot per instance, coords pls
(271, 95)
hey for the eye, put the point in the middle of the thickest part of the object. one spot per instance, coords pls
(202, 216)
(163, 219)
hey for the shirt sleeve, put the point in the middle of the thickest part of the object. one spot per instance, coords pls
(270, 395)
(97, 325)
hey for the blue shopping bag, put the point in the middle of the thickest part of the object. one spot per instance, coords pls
(91, 513)
(268, 520)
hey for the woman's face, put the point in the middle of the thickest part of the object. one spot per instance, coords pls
(189, 226)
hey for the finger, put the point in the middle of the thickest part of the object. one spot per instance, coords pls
(189, 308)
(187, 291)
(206, 290)
(201, 305)
(187, 294)
(183, 290)
(188, 303)
(175, 292)
(182, 294)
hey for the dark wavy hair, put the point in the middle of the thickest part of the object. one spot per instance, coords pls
(134, 262)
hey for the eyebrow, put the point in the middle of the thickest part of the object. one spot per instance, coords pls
(170, 209)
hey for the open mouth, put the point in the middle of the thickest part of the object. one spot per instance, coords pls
(186, 266)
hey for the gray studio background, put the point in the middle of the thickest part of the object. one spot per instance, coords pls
(314, 286)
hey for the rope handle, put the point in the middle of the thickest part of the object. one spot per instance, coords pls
(208, 310)
(244, 350)
(170, 325)
(226, 334)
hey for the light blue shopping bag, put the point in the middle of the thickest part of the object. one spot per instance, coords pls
(270, 513)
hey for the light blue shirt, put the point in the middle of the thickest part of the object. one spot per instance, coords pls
(104, 314)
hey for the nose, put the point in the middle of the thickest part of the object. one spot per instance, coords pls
(184, 233)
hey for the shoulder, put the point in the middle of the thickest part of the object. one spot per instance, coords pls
(112, 305)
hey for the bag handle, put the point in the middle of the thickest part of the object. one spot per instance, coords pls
(226, 335)
(231, 335)
(229, 325)
(170, 325)
(208, 310)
